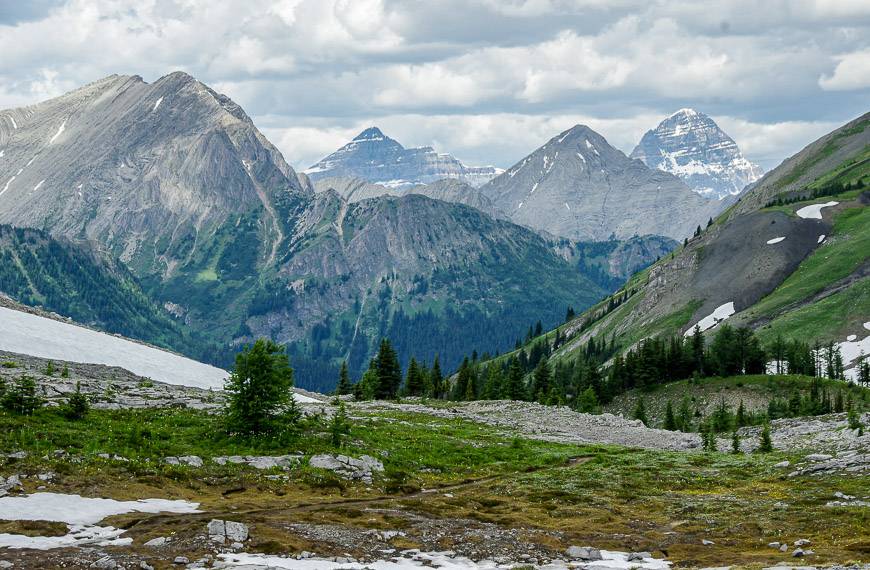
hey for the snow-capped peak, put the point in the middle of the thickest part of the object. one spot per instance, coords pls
(370, 134)
(690, 145)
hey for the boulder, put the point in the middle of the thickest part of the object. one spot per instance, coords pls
(583, 553)
(818, 457)
(189, 460)
(261, 461)
(348, 467)
(638, 556)
(802, 542)
(157, 542)
(227, 531)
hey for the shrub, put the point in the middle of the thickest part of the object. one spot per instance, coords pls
(78, 405)
(765, 445)
(21, 397)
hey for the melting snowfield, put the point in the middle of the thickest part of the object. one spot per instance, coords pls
(81, 514)
(721, 313)
(412, 559)
(814, 211)
(775, 240)
(46, 338)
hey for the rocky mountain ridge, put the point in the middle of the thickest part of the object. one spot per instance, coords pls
(579, 186)
(379, 159)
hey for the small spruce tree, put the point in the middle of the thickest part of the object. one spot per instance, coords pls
(339, 426)
(735, 442)
(344, 386)
(78, 405)
(670, 420)
(49, 368)
(640, 411)
(765, 444)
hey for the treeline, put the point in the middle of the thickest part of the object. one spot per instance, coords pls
(830, 189)
(585, 384)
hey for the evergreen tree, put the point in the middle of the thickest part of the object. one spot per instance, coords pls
(493, 388)
(414, 379)
(670, 420)
(344, 385)
(49, 368)
(65, 372)
(765, 444)
(697, 346)
(339, 425)
(684, 415)
(21, 397)
(735, 442)
(463, 380)
(640, 411)
(854, 421)
(740, 419)
(259, 391)
(78, 405)
(367, 387)
(514, 387)
(389, 371)
(436, 380)
(541, 380)
(569, 314)
(587, 401)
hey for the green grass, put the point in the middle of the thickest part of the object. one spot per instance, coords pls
(841, 254)
(828, 320)
(407, 443)
(208, 274)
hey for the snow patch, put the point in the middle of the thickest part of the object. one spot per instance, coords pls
(6, 187)
(821, 238)
(814, 211)
(867, 325)
(58, 133)
(721, 313)
(412, 559)
(567, 207)
(2, 152)
(775, 240)
(520, 206)
(14, 124)
(46, 338)
(81, 514)
(157, 104)
(851, 337)
(39, 185)
(534, 187)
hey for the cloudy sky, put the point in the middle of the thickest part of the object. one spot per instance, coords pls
(488, 80)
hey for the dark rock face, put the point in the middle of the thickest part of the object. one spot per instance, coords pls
(690, 145)
(580, 187)
(376, 158)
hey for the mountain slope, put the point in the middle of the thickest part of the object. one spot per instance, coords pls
(445, 189)
(580, 187)
(72, 281)
(690, 145)
(150, 171)
(416, 270)
(791, 258)
(376, 158)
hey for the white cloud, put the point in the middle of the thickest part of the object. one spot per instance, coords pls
(852, 72)
(488, 80)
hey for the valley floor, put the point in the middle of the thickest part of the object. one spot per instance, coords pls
(504, 482)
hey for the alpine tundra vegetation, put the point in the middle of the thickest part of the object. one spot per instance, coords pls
(253, 330)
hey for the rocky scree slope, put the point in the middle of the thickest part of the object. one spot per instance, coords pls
(376, 158)
(690, 145)
(798, 269)
(580, 187)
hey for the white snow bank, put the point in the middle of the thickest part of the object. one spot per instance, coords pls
(814, 211)
(775, 240)
(412, 559)
(46, 338)
(721, 313)
(81, 515)
(157, 104)
(75, 509)
(58, 133)
(867, 325)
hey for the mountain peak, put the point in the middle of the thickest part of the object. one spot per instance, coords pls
(374, 157)
(690, 145)
(371, 134)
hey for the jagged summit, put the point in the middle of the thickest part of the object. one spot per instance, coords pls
(374, 157)
(689, 144)
(370, 134)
